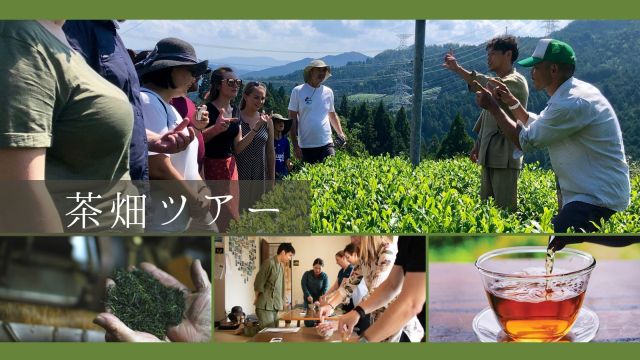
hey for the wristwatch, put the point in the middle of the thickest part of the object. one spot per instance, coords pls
(515, 106)
(360, 311)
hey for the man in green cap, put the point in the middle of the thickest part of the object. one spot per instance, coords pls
(579, 128)
(269, 284)
(492, 150)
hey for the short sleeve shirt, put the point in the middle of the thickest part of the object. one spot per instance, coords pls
(412, 253)
(160, 117)
(52, 99)
(313, 106)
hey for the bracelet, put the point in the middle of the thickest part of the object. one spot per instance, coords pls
(515, 106)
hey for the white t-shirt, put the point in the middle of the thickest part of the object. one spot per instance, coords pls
(160, 117)
(313, 106)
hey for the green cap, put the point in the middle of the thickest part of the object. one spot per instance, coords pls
(551, 50)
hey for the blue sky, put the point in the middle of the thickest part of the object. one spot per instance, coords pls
(295, 39)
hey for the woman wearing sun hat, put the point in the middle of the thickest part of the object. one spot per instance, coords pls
(167, 72)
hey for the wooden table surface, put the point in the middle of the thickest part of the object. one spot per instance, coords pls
(300, 314)
(456, 295)
(305, 334)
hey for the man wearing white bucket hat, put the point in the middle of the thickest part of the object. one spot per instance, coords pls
(311, 107)
(579, 128)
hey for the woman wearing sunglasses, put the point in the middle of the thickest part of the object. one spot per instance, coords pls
(223, 139)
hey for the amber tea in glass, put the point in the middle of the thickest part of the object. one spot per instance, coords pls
(529, 304)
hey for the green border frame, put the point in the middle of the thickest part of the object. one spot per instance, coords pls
(327, 9)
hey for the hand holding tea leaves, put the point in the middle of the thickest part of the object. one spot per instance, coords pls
(195, 325)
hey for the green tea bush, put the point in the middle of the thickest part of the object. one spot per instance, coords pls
(386, 194)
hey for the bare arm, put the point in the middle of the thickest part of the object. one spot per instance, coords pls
(388, 290)
(409, 303)
(501, 92)
(451, 63)
(293, 115)
(241, 142)
(333, 288)
(382, 295)
(161, 168)
(35, 201)
(335, 123)
(509, 128)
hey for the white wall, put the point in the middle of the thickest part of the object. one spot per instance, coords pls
(310, 248)
(237, 292)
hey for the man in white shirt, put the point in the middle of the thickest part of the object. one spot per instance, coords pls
(311, 107)
(581, 131)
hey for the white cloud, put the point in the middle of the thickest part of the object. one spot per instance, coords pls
(296, 39)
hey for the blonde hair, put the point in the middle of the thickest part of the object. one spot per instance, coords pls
(370, 246)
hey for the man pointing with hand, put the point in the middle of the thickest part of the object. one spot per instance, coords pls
(579, 128)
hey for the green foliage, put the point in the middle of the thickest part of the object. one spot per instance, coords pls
(456, 142)
(607, 57)
(291, 198)
(403, 133)
(143, 303)
(386, 194)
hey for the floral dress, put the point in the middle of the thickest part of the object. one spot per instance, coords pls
(373, 275)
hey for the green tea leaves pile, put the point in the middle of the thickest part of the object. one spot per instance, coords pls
(143, 303)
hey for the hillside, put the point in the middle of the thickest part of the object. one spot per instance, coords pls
(607, 57)
(332, 60)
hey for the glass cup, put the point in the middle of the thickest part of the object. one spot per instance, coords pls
(529, 305)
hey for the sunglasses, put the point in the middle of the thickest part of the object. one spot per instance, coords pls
(232, 82)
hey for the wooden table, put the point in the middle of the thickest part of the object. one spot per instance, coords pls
(300, 314)
(305, 334)
(456, 295)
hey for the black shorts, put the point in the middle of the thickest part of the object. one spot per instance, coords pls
(317, 154)
(580, 216)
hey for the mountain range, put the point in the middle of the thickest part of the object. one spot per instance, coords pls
(332, 60)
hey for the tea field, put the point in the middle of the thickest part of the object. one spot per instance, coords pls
(387, 195)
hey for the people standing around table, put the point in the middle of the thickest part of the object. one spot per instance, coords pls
(268, 286)
(343, 274)
(167, 72)
(315, 284)
(580, 130)
(492, 150)
(281, 127)
(311, 107)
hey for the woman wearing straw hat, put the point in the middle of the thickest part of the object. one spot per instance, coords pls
(311, 107)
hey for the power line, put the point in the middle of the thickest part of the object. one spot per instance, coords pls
(132, 27)
(215, 46)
